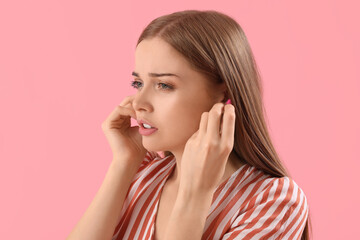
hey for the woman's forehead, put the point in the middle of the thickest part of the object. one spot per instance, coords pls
(158, 56)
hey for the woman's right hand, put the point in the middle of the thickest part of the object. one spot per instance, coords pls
(125, 141)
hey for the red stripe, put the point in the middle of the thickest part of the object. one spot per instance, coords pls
(246, 208)
(286, 216)
(267, 206)
(142, 211)
(148, 158)
(230, 188)
(238, 196)
(228, 191)
(270, 219)
(215, 224)
(250, 212)
(126, 217)
(298, 214)
(301, 226)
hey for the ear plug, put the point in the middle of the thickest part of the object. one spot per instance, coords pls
(228, 101)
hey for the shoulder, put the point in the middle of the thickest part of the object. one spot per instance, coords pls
(280, 194)
(288, 193)
(275, 208)
(256, 190)
(264, 188)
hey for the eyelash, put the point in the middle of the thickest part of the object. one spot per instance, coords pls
(166, 88)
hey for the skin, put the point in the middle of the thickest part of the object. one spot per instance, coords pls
(175, 112)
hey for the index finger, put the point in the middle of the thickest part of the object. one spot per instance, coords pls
(127, 100)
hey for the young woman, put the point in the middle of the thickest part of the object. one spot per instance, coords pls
(220, 177)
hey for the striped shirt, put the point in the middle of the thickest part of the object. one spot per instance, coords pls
(248, 205)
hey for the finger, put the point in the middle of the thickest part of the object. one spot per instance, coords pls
(127, 100)
(119, 114)
(129, 110)
(128, 104)
(213, 128)
(228, 125)
(203, 123)
(195, 134)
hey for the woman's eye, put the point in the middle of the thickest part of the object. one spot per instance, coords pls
(163, 86)
(134, 84)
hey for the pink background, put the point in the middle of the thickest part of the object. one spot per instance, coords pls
(64, 66)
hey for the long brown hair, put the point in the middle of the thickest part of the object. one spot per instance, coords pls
(215, 45)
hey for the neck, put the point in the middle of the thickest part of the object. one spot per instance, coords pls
(232, 164)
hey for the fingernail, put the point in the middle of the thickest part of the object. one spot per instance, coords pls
(228, 101)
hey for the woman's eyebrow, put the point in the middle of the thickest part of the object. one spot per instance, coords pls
(157, 74)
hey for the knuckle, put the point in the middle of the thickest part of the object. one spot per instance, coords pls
(204, 114)
(219, 104)
(215, 112)
(227, 148)
(230, 107)
(217, 108)
(224, 150)
(210, 143)
(232, 116)
(231, 112)
(206, 144)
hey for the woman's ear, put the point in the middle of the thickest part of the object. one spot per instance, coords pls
(226, 96)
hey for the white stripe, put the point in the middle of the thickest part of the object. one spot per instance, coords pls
(262, 206)
(140, 226)
(265, 180)
(300, 229)
(293, 214)
(260, 192)
(236, 207)
(132, 190)
(150, 171)
(258, 199)
(239, 202)
(213, 212)
(303, 214)
(149, 224)
(280, 217)
(157, 180)
(263, 187)
(141, 201)
(270, 211)
(225, 188)
(154, 211)
(143, 174)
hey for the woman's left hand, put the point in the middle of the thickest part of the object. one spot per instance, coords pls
(207, 150)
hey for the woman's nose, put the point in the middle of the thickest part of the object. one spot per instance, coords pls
(141, 102)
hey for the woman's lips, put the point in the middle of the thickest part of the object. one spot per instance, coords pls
(141, 121)
(146, 131)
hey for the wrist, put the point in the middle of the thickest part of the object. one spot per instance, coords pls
(187, 194)
(124, 165)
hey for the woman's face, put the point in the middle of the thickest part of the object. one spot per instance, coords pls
(172, 104)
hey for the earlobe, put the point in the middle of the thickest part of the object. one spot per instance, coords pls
(222, 93)
(226, 97)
